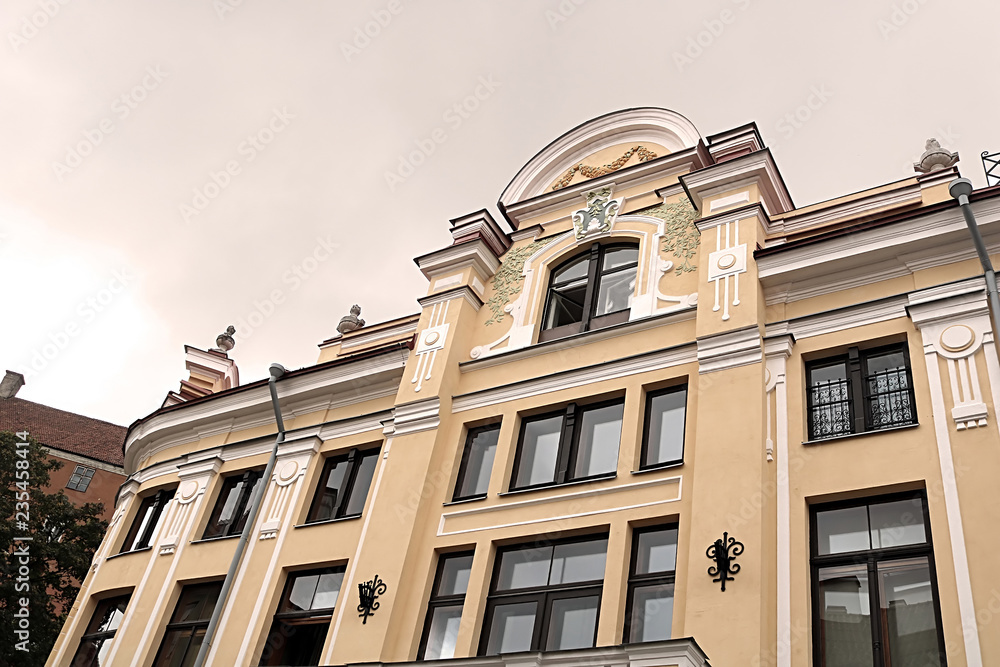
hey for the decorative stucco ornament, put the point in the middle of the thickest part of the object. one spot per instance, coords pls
(351, 322)
(598, 215)
(593, 172)
(935, 158)
(680, 235)
(508, 279)
(225, 341)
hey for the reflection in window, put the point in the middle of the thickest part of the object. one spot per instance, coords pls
(303, 617)
(444, 612)
(343, 486)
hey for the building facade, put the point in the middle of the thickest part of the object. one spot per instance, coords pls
(669, 417)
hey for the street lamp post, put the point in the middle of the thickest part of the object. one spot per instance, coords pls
(960, 189)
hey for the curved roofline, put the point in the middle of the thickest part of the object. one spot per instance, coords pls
(678, 133)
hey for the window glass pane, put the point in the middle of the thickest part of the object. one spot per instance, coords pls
(295, 642)
(301, 595)
(652, 613)
(579, 561)
(540, 451)
(657, 551)
(480, 450)
(829, 397)
(512, 628)
(897, 524)
(454, 575)
(665, 440)
(615, 292)
(92, 652)
(616, 257)
(362, 482)
(842, 530)
(196, 603)
(225, 506)
(524, 568)
(178, 649)
(575, 269)
(142, 520)
(565, 305)
(907, 601)
(600, 433)
(247, 500)
(331, 489)
(845, 615)
(572, 623)
(327, 590)
(443, 632)
(888, 390)
(109, 615)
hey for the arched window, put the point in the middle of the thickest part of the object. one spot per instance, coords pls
(591, 290)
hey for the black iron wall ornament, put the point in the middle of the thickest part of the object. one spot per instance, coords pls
(368, 592)
(724, 552)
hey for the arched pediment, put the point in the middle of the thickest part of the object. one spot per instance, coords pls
(602, 145)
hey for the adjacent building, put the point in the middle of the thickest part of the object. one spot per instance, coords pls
(659, 416)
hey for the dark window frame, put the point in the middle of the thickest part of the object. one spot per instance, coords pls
(648, 579)
(80, 479)
(292, 617)
(595, 275)
(569, 445)
(191, 626)
(858, 399)
(542, 596)
(139, 536)
(871, 558)
(437, 601)
(100, 636)
(463, 468)
(644, 448)
(354, 458)
(249, 479)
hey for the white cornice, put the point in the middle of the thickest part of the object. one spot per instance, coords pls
(475, 253)
(651, 361)
(365, 337)
(461, 292)
(345, 382)
(729, 350)
(756, 167)
(416, 416)
(907, 195)
(857, 315)
(962, 299)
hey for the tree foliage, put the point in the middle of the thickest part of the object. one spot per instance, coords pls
(64, 538)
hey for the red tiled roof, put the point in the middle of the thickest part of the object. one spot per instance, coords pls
(63, 430)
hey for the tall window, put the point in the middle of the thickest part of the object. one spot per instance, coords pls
(140, 534)
(80, 479)
(444, 611)
(187, 626)
(232, 507)
(477, 462)
(863, 390)
(590, 291)
(874, 589)
(651, 584)
(545, 598)
(343, 486)
(572, 444)
(663, 435)
(98, 637)
(303, 617)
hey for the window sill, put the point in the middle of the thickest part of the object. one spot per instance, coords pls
(658, 466)
(575, 482)
(848, 436)
(462, 501)
(126, 553)
(214, 539)
(326, 521)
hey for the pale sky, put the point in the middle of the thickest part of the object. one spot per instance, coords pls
(170, 168)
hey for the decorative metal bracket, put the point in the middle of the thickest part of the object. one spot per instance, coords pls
(723, 557)
(991, 165)
(368, 592)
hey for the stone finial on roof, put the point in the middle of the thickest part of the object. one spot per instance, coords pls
(225, 341)
(935, 158)
(10, 384)
(351, 322)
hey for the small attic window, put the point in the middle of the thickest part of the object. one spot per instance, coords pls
(590, 290)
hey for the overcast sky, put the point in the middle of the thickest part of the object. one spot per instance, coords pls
(170, 168)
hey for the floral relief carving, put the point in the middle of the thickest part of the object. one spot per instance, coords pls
(509, 278)
(680, 235)
(593, 172)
